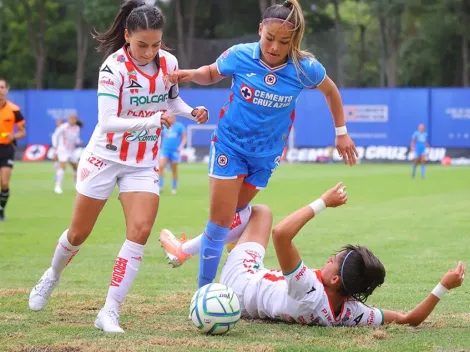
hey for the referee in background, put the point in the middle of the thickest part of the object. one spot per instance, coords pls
(10, 116)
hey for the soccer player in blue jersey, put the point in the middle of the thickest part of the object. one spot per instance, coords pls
(174, 139)
(419, 143)
(254, 125)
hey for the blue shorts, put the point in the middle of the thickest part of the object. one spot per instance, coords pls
(419, 151)
(227, 163)
(172, 155)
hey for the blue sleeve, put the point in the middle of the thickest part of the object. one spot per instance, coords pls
(182, 129)
(315, 72)
(227, 62)
(414, 135)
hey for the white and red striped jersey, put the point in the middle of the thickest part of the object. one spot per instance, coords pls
(66, 137)
(300, 297)
(132, 91)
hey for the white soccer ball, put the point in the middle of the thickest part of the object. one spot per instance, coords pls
(215, 309)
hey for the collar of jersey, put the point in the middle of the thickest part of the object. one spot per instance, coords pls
(137, 67)
(257, 56)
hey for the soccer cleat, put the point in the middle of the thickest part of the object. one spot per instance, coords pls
(2, 215)
(172, 247)
(58, 189)
(41, 293)
(173, 191)
(108, 321)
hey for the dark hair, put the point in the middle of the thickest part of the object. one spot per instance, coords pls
(291, 11)
(79, 123)
(133, 15)
(6, 82)
(361, 272)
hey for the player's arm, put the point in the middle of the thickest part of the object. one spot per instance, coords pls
(284, 232)
(452, 279)
(413, 142)
(184, 139)
(209, 74)
(344, 143)
(56, 136)
(177, 106)
(20, 125)
(109, 84)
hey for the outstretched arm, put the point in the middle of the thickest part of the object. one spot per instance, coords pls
(204, 75)
(284, 232)
(452, 279)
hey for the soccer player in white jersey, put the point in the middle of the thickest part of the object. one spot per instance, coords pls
(134, 95)
(332, 296)
(65, 140)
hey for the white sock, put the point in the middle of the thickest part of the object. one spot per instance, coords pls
(64, 252)
(59, 176)
(240, 220)
(124, 272)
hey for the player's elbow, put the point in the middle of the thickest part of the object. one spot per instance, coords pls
(278, 235)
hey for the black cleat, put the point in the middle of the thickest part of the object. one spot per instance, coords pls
(2, 215)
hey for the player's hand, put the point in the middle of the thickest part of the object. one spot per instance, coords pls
(454, 277)
(9, 136)
(335, 196)
(346, 149)
(54, 158)
(180, 76)
(167, 119)
(201, 114)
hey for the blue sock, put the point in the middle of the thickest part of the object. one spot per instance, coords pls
(413, 172)
(212, 247)
(174, 184)
(240, 209)
(422, 170)
(162, 181)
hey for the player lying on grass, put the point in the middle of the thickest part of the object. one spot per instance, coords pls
(332, 296)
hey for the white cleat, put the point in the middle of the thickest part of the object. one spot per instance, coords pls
(108, 321)
(58, 189)
(41, 293)
(173, 191)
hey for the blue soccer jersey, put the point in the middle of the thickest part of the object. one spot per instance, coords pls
(172, 136)
(259, 115)
(420, 139)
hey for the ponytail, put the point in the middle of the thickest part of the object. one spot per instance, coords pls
(113, 39)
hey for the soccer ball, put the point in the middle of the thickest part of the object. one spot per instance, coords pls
(215, 309)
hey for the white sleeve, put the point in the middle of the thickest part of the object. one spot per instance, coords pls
(56, 135)
(108, 102)
(178, 106)
(363, 315)
(303, 284)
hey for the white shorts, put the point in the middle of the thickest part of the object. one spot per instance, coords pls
(96, 177)
(244, 264)
(64, 155)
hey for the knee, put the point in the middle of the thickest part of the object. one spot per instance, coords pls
(77, 234)
(139, 231)
(263, 211)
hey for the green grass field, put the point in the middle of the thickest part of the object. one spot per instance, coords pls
(419, 229)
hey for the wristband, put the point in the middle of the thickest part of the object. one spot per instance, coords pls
(341, 130)
(439, 291)
(318, 206)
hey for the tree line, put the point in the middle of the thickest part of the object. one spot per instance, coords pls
(47, 44)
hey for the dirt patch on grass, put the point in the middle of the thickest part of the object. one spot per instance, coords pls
(14, 292)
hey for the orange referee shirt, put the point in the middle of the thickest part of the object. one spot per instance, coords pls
(10, 116)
